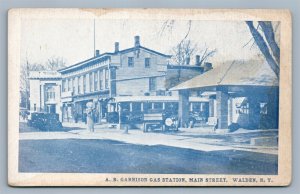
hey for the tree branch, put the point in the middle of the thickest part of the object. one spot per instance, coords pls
(263, 48)
(270, 37)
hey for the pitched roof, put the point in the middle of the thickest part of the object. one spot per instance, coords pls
(107, 54)
(44, 75)
(144, 48)
(233, 73)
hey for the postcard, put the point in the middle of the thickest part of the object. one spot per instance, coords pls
(149, 97)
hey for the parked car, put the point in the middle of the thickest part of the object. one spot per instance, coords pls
(45, 121)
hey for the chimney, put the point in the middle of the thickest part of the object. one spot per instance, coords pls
(137, 41)
(116, 47)
(207, 66)
(197, 60)
(188, 59)
(97, 53)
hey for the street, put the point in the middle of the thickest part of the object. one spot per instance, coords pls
(108, 156)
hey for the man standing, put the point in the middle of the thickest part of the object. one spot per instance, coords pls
(90, 117)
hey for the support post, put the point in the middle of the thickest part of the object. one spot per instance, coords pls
(222, 109)
(183, 109)
(211, 107)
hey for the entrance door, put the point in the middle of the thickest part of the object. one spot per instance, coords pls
(52, 108)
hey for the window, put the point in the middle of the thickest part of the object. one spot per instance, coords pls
(79, 84)
(147, 62)
(242, 108)
(91, 81)
(64, 85)
(263, 108)
(96, 81)
(84, 83)
(101, 79)
(130, 62)
(69, 84)
(73, 86)
(136, 107)
(152, 84)
(50, 93)
(158, 105)
(106, 78)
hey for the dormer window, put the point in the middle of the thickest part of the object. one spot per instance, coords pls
(130, 61)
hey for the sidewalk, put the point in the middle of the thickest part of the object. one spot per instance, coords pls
(196, 139)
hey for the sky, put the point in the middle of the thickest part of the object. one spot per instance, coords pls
(73, 40)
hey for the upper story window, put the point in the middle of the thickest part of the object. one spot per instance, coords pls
(69, 84)
(50, 93)
(79, 84)
(96, 81)
(101, 79)
(147, 62)
(91, 81)
(106, 78)
(152, 84)
(130, 61)
(73, 86)
(64, 85)
(84, 83)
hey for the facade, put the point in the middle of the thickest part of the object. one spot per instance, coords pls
(45, 91)
(136, 71)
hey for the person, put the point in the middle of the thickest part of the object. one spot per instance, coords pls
(90, 117)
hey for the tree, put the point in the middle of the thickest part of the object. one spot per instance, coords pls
(183, 51)
(266, 43)
(55, 63)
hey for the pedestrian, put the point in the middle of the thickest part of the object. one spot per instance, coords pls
(90, 117)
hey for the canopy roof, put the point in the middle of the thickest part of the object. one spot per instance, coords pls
(233, 73)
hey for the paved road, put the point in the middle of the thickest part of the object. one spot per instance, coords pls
(107, 156)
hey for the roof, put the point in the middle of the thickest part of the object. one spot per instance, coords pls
(156, 99)
(144, 48)
(44, 75)
(106, 56)
(90, 61)
(233, 73)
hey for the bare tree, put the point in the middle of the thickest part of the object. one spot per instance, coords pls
(205, 54)
(24, 81)
(183, 51)
(266, 43)
(55, 63)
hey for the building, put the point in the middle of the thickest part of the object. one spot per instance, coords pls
(45, 90)
(134, 71)
(245, 93)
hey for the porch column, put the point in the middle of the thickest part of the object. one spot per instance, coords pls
(211, 107)
(183, 108)
(222, 109)
(230, 115)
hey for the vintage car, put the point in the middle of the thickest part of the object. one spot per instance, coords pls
(44, 121)
(150, 113)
